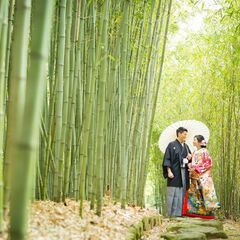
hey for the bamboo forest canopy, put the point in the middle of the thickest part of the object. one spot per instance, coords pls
(201, 81)
(79, 82)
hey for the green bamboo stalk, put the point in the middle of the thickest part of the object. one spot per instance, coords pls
(3, 7)
(80, 48)
(58, 174)
(17, 81)
(92, 165)
(123, 84)
(101, 104)
(66, 83)
(18, 76)
(74, 165)
(87, 114)
(3, 47)
(49, 157)
(49, 109)
(46, 162)
(112, 118)
(26, 139)
(91, 62)
(92, 155)
(74, 63)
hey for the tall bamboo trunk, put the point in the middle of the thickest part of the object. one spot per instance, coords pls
(103, 38)
(58, 175)
(27, 136)
(123, 105)
(3, 63)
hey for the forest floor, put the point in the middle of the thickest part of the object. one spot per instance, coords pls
(55, 221)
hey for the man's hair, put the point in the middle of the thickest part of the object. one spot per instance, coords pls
(181, 130)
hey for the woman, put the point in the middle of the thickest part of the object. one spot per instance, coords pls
(200, 199)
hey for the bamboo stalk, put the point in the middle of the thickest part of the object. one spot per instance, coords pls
(123, 107)
(58, 174)
(101, 105)
(71, 123)
(3, 48)
(66, 85)
(26, 138)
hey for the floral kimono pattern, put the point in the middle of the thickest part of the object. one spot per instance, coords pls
(201, 198)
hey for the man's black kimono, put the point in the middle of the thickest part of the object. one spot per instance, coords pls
(173, 158)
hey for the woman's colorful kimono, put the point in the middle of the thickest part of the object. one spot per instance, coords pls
(201, 199)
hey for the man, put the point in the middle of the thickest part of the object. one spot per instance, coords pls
(175, 170)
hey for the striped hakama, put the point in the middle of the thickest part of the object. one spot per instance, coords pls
(175, 196)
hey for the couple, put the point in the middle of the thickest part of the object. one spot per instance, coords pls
(190, 189)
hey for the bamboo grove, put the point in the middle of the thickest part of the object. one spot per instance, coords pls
(209, 89)
(78, 89)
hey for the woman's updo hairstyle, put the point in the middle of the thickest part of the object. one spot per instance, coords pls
(201, 140)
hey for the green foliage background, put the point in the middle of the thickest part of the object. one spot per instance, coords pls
(201, 81)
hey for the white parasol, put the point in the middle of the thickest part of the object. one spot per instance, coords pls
(194, 128)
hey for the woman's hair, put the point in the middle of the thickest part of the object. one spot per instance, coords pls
(201, 140)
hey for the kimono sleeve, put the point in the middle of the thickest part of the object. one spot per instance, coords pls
(166, 161)
(205, 164)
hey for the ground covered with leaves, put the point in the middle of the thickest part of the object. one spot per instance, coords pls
(55, 221)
